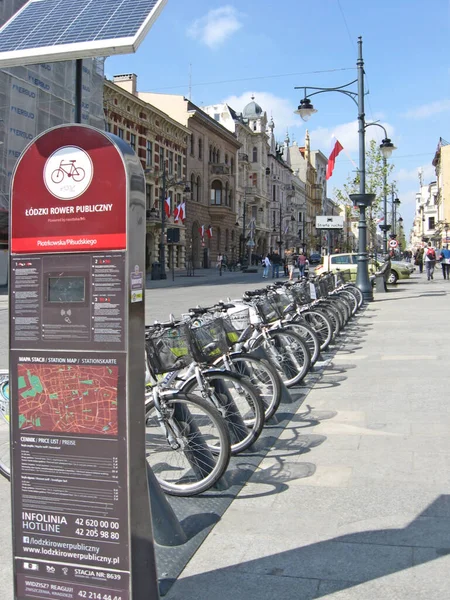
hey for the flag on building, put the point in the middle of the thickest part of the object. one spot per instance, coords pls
(202, 231)
(286, 229)
(176, 213)
(332, 159)
(380, 220)
(209, 231)
(167, 206)
(182, 212)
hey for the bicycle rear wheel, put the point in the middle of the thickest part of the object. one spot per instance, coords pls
(187, 444)
(321, 325)
(308, 335)
(237, 400)
(5, 427)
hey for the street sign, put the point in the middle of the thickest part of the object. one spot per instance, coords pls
(326, 222)
(76, 298)
(251, 244)
(393, 243)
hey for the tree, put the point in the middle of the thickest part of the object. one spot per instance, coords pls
(376, 175)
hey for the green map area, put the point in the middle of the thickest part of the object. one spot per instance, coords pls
(68, 399)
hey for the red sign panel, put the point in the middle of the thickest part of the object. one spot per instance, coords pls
(69, 194)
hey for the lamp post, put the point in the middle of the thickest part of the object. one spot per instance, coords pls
(162, 245)
(395, 204)
(361, 200)
(446, 228)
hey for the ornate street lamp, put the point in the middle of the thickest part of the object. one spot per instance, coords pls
(362, 200)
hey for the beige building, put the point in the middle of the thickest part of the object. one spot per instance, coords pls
(441, 162)
(158, 140)
(211, 163)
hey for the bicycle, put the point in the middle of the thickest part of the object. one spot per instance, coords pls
(5, 460)
(76, 173)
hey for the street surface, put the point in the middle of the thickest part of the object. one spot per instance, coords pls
(353, 500)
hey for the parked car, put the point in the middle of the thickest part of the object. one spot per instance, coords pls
(349, 262)
(315, 258)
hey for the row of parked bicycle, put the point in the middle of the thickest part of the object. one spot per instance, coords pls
(217, 374)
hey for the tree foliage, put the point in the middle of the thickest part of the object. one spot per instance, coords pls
(376, 175)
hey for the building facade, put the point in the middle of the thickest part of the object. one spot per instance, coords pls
(211, 170)
(161, 145)
(441, 163)
(426, 219)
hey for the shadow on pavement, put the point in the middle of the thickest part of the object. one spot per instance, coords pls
(318, 569)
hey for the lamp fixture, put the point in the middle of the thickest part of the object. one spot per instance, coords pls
(387, 147)
(305, 109)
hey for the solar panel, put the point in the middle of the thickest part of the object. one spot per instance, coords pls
(52, 30)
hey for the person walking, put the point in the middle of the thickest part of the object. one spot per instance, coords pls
(430, 261)
(276, 263)
(444, 258)
(266, 263)
(418, 259)
(290, 262)
(301, 262)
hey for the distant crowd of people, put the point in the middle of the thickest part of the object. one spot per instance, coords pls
(292, 264)
(427, 257)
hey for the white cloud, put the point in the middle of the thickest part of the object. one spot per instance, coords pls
(428, 173)
(216, 26)
(427, 110)
(281, 109)
(347, 134)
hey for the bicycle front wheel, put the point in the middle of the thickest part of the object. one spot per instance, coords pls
(187, 444)
(237, 400)
(5, 427)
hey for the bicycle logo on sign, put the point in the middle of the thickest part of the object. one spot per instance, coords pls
(68, 169)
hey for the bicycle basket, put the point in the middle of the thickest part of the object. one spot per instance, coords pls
(231, 332)
(239, 317)
(267, 310)
(168, 349)
(209, 340)
(282, 301)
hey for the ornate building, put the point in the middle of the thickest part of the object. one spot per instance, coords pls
(160, 142)
(211, 174)
(252, 198)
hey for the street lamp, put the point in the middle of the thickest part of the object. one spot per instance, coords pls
(446, 228)
(162, 246)
(361, 200)
(395, 204)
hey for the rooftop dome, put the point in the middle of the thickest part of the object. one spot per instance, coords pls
(252, 110)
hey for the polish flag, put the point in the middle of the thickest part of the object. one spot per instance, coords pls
(167, 206)
(176, 213)
(332, 159)
(202, 231)
(209, 231)
(182, 212)
(380, 220)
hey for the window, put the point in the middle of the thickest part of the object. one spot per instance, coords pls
(341, 260)
(226, 159)
(216, 116)
(230, 198)
(274, 193)
(120, 133)
(149, 154)
(216, 193)
(170, 163)
(133, 141)
(254, 126)
(430, 222)
(200, 148)
(192, 144)
(218, 156)
(225, 198)
(108, 127)
(254, 212)
(210, 154)
(255, 154)
(179, 166)
(199, 189)
(300, 217)
(254, 179)
(148, 196)
(192, 186)
(232, 166)
(161, 158)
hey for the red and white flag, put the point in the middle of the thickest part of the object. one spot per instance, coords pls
(176, 213)
(332, 159)
(380, 220)
(167, 206)
(202, 231)
(182, 212)
(209, 231)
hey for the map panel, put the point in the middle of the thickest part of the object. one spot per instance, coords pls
(80, 399)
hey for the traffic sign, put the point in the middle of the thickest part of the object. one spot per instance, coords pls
(251, 243)
(393, 243)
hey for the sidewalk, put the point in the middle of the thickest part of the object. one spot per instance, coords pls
(353, 500)
(203, 277)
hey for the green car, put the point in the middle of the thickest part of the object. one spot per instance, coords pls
(348, 263)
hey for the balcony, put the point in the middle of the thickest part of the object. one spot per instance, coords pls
(242, 157)
(219, 169)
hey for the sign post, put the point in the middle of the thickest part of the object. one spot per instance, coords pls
(77, 239)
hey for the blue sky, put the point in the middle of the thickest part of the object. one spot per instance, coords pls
(267, 48)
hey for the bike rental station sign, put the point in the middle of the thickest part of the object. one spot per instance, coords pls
(77, 240)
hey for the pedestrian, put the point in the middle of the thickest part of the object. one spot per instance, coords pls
(301, 262)
(444, 258)
(430, 261)
(418, 259)
(276, 262)
(266, 263)
(290, 263)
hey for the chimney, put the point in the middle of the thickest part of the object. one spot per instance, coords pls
(127, 82)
